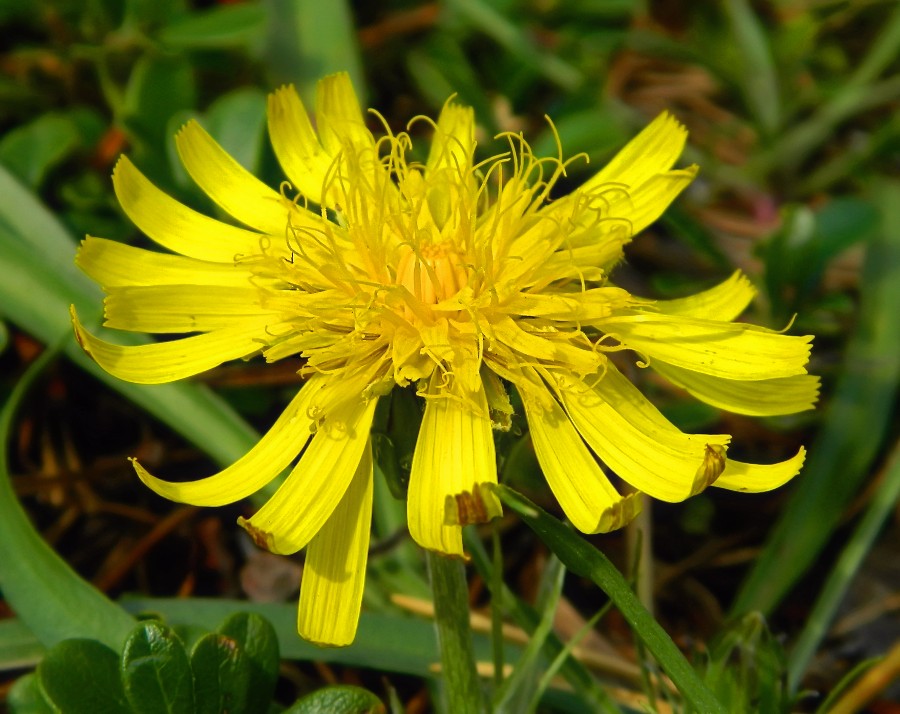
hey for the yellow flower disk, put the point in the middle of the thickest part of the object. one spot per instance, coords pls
(459, 277)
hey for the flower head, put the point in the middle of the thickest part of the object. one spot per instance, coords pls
(460, 277)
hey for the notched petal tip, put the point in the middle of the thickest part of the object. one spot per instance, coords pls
(709, 471)
(468, 508)
(621, 513)
(262, 538)
(79, 331)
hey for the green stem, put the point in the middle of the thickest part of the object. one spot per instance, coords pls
(842, 574)
(583, 559)
(462, 690)
(497, 607)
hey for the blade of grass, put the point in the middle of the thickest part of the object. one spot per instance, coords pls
(854, 426)
(844, 570)
(486, 19)
(758, 76)
(40, 281)
(578, 677)
(307, 40)
(520, 687)
(585, 560)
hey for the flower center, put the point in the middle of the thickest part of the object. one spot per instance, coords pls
(432, 272)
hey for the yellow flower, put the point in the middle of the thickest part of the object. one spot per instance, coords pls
(458, 277)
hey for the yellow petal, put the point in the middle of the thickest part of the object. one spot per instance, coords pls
(169, 361)
(548, 347)
(229, 184)
(610, 215)
(272, 453)
(636, 441)
(453, 144)
(653, 151)
(182, 308)
(724, 302)
(114, 264)
(579, 484)
(339, 118)
(756, 478)
(588, 262)
(454, 453)
(576, 307)
(174, 225)
(449, 164)
(298, 149)
(335, 570)
(764, 397)
(722, 349)
(309, 495)
(642, 205)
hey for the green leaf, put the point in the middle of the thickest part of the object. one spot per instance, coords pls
(224, 26)
(385, 642)
(221, 676)
(18, 646)
(33, 576)
(583, 559)
(81, 676)
(156, 672)
(26, 697)
(29, 151)
(255, 637)
(342, 699)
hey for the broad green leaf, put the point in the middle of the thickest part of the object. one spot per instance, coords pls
(81, 676)
(26, 697)
(255, 637)
(52, 600)
(223, 26)
(221, 676)
(341, 699)
(156, 672)
(29, 151)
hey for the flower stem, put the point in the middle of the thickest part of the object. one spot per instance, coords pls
(462, 690)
